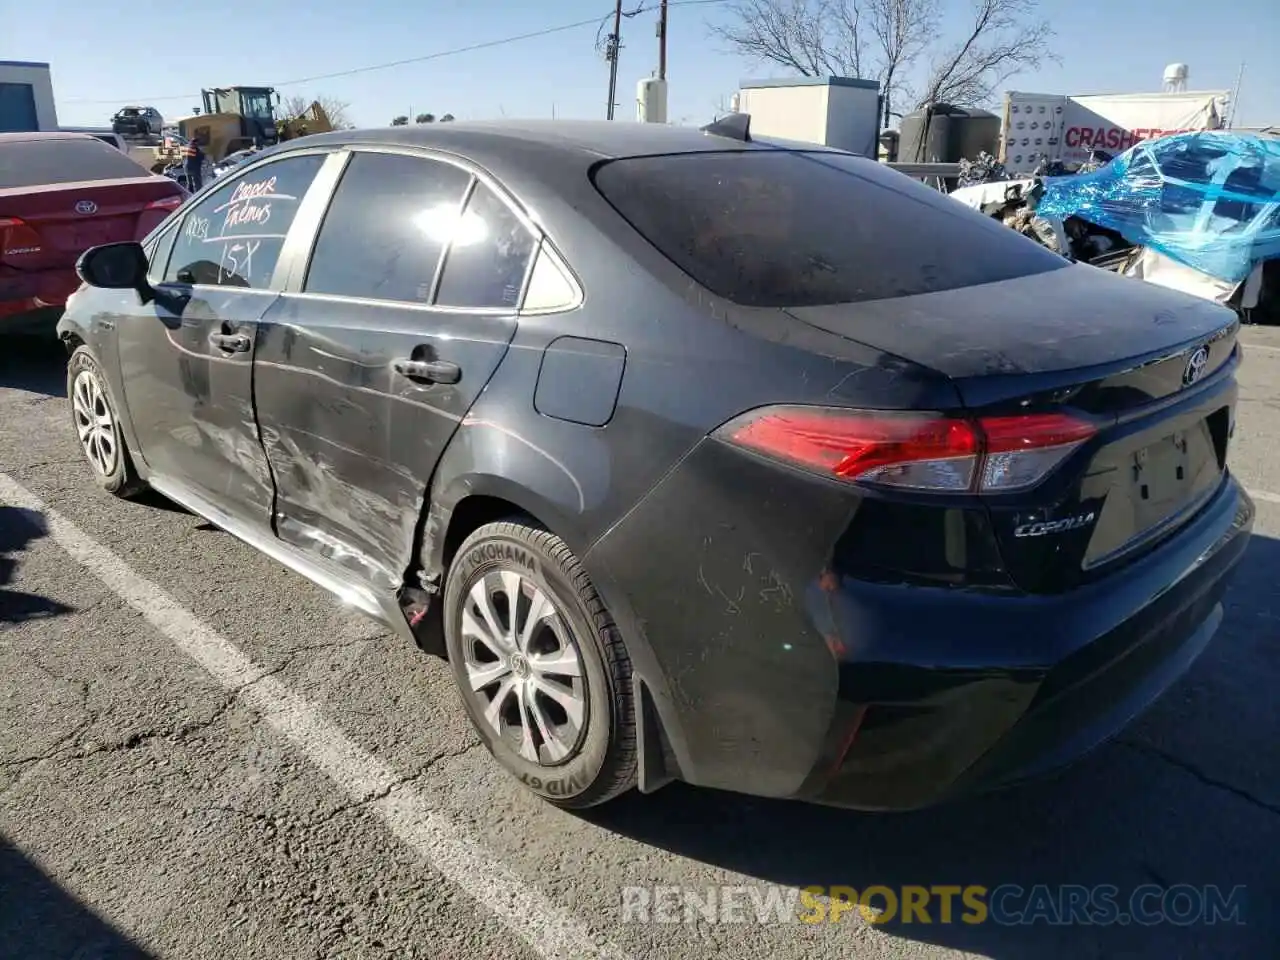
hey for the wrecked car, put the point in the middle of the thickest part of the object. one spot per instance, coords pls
(1198, 212)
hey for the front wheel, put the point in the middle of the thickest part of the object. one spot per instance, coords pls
(540, 665)
(98, 427)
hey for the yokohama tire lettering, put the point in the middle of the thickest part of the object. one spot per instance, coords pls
(508, 552)
(562, 787)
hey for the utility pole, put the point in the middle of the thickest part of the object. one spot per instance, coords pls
(1235, 98)
(611, 54)
(662, 41)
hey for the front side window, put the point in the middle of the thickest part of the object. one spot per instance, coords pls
(158, 254)
(388, 224)
(234, 236)
(774, 228)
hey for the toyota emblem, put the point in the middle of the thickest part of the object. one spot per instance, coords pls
(1197, 364)
(86, 207)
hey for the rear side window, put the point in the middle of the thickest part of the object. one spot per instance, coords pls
(386, 228)
(489, 256)
(29, 163)
(790, 229)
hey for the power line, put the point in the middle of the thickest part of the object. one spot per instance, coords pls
(562, 28)
(377, 66)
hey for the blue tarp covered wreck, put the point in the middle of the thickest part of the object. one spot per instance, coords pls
(1210, 200)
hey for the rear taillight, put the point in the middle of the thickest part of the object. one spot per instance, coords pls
(927, 452)
(167, 204)
(17, 237)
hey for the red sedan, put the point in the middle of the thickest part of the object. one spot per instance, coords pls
(60, 194)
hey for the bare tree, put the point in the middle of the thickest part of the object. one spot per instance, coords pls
(812, 37)
(338, 110)
(1001, 39)
(885, 39)
(902, 30)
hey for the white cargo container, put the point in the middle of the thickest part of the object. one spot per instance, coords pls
(837, 112)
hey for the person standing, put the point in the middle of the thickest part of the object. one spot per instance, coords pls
(194, 155)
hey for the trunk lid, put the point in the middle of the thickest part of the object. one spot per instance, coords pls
(1152, 369)
(66, 219)
(995, 339)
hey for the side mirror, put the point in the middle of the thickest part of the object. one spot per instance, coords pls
(116, 266)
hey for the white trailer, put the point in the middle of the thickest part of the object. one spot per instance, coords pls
(838, 112)
(1046, 126)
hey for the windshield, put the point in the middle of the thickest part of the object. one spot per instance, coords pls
(792, 229)
(257, 105)
(29, 163)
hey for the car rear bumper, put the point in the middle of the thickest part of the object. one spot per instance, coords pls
(21, 293)
(766, 677)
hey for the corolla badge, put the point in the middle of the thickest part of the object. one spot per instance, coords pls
(1196, 366)
(86, 207)
(1044, 528)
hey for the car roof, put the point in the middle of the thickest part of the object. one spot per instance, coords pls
(45, 135)
(546, 165)
(588, 140)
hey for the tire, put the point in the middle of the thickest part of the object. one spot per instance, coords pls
(580, 765)
(97, 426)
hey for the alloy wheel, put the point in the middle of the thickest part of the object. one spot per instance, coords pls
(95, 423)
(523, 667)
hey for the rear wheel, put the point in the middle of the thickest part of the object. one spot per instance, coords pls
(98, 427)
(540, 665)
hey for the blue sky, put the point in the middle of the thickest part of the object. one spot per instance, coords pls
(151, 56)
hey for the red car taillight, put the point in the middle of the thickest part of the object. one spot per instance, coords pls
(928, 452)
(167, 204)
(17, 237)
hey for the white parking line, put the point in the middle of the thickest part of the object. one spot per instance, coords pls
(1250, 347)
(1264, 495)
(549, 930)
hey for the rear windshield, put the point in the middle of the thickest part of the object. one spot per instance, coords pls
(29, 163)
(795, 229)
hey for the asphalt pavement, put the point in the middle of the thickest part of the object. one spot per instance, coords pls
(202, 755)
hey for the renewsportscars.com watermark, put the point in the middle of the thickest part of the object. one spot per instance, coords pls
(1007, 905)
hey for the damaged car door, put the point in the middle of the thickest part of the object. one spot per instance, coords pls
(186, 356)
(378, 347)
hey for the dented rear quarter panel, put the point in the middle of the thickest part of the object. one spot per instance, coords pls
(618, 493)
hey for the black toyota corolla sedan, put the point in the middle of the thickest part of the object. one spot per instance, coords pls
(759, 466)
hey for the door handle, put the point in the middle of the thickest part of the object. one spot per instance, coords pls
(230, 342)
(431, 371)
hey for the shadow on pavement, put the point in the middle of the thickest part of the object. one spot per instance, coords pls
(18, 527)
(40, 919)
(155, 501)
(1189, 794)
(36, 364)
